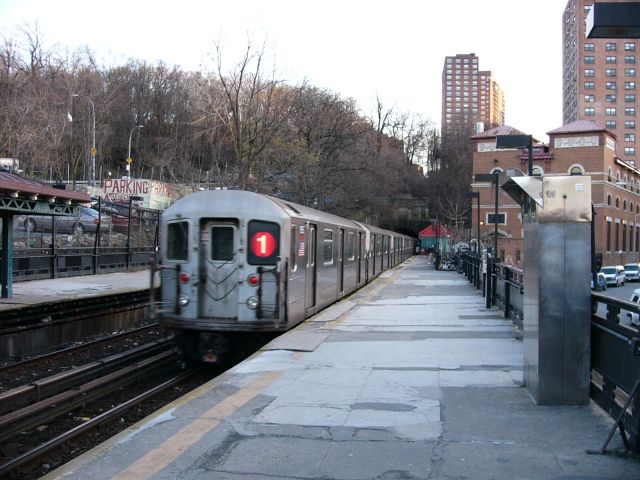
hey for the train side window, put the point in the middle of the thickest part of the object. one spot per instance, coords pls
(222, 243)
(293, 254)
(328, 247)
(350, 246)
(178, 241)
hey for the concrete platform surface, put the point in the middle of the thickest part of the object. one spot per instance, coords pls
(410, 378)
(50, 290)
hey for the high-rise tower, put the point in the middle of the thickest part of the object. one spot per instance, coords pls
(469, 95)
(599, 79)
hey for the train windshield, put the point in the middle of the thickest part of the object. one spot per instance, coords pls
(178, 241)
(222, 243)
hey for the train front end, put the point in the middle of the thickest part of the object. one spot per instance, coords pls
(221, 270)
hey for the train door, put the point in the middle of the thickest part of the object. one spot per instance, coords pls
(359, 258)
(310, 281)
(341, 261)
(218, 292)
(374, 252)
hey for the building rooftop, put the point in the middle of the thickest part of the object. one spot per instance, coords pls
(500, 130)
(580, 126)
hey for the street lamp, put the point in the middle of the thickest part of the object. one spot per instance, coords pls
(93, 143)
(129, 159)
(494, 179)
(473, 195)
(517, 141)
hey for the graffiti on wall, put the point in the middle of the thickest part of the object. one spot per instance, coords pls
(154, 194)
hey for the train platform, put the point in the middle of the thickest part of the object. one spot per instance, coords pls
(35, 292)
(409, 378)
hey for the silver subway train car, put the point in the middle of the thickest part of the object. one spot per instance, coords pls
(236, 261)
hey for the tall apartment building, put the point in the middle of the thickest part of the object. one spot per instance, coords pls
(599, 80)
(469, 95)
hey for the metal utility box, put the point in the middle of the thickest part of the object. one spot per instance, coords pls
(557, 214)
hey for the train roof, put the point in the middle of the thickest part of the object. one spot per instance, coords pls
(235, 203)
(232, 203)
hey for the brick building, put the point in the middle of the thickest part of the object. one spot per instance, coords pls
(469, 95)
(579, 148)
(599, 80)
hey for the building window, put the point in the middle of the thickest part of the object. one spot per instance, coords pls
(624, 205)
(610, 111)
(624, 237)
(609, 199)
(610, 98)
(630, 47)
(630, 124)
(591, 98)
(617, 236)
(630, 98)
(589, 111)
(610, 47)
(629, 59)
(608, 236)
(589, 47)
(609, 72)
(608, 60)
(629, 72)
(630, 151)
(629, 85)
(589, 85)
(629, 137)
(617, 202)
(501, 218)
(590, 59)
(610, 85)
(589, 72)
(630, 112)
(610, 124)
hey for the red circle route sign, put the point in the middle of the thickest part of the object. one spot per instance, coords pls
(263, 244)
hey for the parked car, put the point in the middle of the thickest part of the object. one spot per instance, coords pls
(87, 220)
(634, 317)
(119, 214)
(601, 282)
(632, 272)
(614, 275)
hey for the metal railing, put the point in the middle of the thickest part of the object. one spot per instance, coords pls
(615, 366)
(44, 263)
(615, 346)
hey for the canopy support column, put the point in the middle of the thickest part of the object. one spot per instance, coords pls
(6, 267)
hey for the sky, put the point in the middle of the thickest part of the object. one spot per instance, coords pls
(393, 50)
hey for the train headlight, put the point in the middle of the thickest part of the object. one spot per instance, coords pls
(183, 300)
(252, 303)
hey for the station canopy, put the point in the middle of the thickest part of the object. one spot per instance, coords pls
(24, 196)
(431, 232)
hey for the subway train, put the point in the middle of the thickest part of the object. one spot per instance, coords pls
(234, 261)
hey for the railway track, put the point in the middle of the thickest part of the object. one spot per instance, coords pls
(39, 417)
(55, 355)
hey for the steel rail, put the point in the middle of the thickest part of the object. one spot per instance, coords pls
(88, 425)
(45, 387)
(57, 405)
(51, 355)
